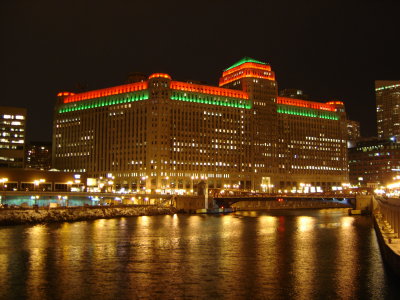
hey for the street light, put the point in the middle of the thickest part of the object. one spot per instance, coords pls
(3, 182)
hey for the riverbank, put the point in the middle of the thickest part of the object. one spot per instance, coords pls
(389, 243)
(71, 214)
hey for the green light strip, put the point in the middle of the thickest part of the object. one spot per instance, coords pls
(299, 111)
(105, 101)
(214, 100)
(245, 60)
(387, 87)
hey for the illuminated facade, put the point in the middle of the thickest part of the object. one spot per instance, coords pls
(161, 135)
(387, 95)
(374, 162)
(12, 136)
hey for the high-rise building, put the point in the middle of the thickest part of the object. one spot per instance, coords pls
(163, 135)
(12, 136)
(38, 155)
(387, 94)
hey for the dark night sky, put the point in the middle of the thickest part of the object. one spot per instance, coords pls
(329, 49)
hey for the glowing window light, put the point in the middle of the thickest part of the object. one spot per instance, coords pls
(100, 102)
(245, 60)
(122, 89)
(162, 75)
(304, 103)
(297, 111)
(197, 88)
(222, 101)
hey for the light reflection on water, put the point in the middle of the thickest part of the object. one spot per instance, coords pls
(262, 255)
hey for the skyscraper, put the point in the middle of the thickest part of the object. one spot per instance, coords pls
(387, 94)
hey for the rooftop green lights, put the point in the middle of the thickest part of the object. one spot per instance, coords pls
(104, 101)
(211, 99)
(298, 111)
(245, 60)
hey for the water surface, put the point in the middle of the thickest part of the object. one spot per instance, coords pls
(320, 254)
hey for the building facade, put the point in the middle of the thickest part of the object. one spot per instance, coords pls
(161, 135)
(374, 162)
(12, 136)
(387, 93)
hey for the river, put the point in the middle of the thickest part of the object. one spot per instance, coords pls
(306, 254)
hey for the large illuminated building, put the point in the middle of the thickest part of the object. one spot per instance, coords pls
(12, 136)
(387, 93)
(162, 135)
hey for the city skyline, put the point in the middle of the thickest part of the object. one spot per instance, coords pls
(330, 51)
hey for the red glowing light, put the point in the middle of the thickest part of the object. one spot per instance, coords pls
(126, 88)
(245, 73)
(335, 103)
(247, 65)
(162, 75)
(304, 103)
(63, 94)
(197, 88)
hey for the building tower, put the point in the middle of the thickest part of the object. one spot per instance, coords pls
(258, 80)
(387, 95)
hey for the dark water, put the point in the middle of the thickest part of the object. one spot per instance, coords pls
(321, 254)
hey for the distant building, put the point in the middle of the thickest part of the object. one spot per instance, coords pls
(165, 136)
(374, 162)
(353, 131)
(293, 93)
(38, 155)
(387, 94)
(12, 136)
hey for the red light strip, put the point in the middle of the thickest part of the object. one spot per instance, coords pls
(132, 87)
(304, 103)
(163, 75)
(63, 94)
(247, 73)
(247, 65)
(205, 89)
(335, 103)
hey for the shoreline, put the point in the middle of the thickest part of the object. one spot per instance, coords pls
(72, 214)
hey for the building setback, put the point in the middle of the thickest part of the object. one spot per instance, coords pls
(162, 135)
(12, 136)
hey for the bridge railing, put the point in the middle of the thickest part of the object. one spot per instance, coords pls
(390, 210)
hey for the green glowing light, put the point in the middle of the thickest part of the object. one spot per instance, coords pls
(245, 60)
(299, 111)
(104, 101)
(213, 100)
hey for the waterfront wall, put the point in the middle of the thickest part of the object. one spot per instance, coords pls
(30, 216)
(389, 244)
(298, 204)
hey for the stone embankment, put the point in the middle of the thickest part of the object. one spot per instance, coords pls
(46, 215)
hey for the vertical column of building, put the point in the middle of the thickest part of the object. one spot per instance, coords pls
(159, 116)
